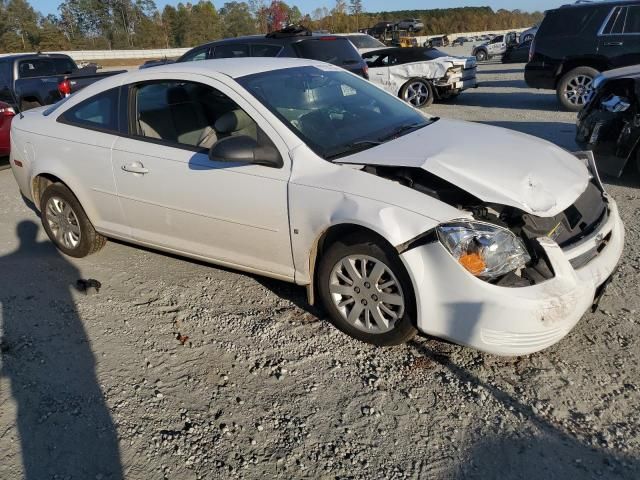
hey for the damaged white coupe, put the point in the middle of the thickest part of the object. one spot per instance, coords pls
(419, 75)
(303, 172)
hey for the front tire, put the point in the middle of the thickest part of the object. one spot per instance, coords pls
(575, 88)
(67, 224)
(417, 93)
(367, 291)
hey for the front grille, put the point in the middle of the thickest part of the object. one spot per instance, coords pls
(577, 222)
(581, 260)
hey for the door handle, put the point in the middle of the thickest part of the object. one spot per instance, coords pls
(132, 168)
(613, 44)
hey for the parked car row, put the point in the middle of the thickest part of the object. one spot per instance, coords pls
(418, 75)
(297, 170)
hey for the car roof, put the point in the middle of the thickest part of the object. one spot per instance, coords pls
(398, 49)
(587, 4)
(239, 67)
(265, 39)
(20, 56)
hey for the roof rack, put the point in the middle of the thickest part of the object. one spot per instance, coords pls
(290, 31)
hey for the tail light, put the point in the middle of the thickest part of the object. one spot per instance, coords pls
(7, 112)
(532, 49)
(64, 87)
(365, 71)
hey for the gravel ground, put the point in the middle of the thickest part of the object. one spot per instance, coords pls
(176, 369)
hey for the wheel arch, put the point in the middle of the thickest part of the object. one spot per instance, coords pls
(329, 236)
(43, 179)
(434, 92)
(596, 63)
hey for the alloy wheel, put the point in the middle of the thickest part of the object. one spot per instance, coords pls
(579, 90)
(417, 94)
(366, 293)
(63, 222)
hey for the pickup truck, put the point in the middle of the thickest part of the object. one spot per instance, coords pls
(32, 80)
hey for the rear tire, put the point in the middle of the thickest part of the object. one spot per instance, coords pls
(575, 88)
(482, 56)
(417, 93)
(381, 310)
(67, 224)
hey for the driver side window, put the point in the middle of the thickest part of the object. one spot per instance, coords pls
(188, 114)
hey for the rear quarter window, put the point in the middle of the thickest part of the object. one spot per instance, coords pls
(35, 68)
(64, 66)
(231, 50)
(262, 50)
(566, 22)
(99, 112)
(338, 51)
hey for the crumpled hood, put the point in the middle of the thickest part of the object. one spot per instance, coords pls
(494, 164)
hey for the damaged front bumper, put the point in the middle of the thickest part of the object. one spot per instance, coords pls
(455, 305)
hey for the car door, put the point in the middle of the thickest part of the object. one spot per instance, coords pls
(82, 141)
(378, 64)
(497, 46)
(611, 38)
(619, 40)
(176, 198)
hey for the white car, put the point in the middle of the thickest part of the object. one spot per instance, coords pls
(364, 43)
(301, 171)
(419, 75)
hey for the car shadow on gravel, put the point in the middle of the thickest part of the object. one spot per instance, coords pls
(508, 100)
(503, 84)
(499, 71)
(63, 422)
(553, 453)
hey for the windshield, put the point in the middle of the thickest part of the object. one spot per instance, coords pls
(338, 51)
(365, 41)
(333, 112)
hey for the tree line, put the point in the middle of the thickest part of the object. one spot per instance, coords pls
(126, 24)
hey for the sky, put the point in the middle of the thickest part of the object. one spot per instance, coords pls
(307, 6)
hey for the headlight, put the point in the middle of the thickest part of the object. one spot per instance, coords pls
(486, 251)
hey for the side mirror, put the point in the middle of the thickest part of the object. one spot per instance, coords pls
(244, 149)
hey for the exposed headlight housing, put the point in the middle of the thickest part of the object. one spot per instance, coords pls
(485, 250)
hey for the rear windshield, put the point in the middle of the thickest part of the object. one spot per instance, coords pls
(338, 51)
(565, 22)
(42, 67)
(365, 41)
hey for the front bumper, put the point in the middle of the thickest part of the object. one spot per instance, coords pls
(454, 305)
(456, 86)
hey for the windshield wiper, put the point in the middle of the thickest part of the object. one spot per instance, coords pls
(403, 129)
(353, 147)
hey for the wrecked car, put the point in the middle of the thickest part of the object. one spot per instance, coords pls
(609, 125)
(420, 75)
(301, 171)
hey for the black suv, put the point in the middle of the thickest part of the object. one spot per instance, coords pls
(290, 42)
(576, 42)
